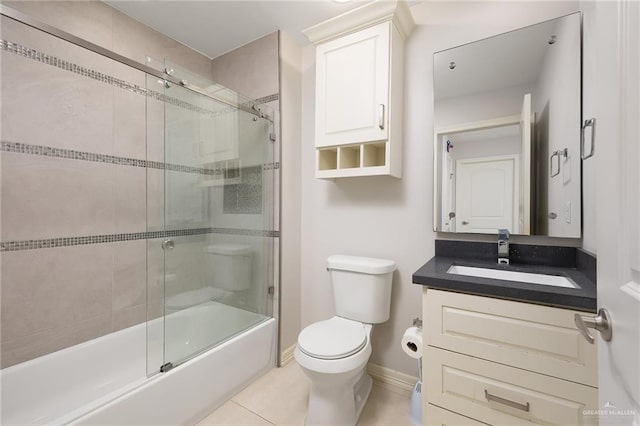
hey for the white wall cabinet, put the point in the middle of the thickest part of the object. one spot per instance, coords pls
(501, 362)
(359, 75)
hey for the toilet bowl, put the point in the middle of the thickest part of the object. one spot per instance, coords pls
(333, 353)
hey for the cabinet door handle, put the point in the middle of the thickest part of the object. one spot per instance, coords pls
(381, 116)
(507, 402)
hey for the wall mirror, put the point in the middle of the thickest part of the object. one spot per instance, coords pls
(507, 131)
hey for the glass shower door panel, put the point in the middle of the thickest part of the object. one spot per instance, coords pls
(213, 269)
(155, 224)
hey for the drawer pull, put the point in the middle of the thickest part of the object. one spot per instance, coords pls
(508, 403)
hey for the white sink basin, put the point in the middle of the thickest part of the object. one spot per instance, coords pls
(523, 277)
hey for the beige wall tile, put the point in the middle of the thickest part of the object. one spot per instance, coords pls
(155, 271)
(129, 274)
(55, 288)
(90, 20)
(38, 344)
(129, 192)
(129, 115)
(155, 199)
(44, 197)
(252, 69)
(44, 105)
(155, 124)
(128, 317)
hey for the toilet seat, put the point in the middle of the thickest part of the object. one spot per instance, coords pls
(335, 338)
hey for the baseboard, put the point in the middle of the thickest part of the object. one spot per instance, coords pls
(287, 355)
(386, 377)
(392, 379)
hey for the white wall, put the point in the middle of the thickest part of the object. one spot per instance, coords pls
(290, 262)
(387, 217)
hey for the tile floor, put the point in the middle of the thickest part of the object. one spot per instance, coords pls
(280, 398)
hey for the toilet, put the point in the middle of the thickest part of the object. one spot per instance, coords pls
(333, 353)
(228, 271)
(229, 266)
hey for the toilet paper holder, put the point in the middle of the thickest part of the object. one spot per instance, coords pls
(417, 322)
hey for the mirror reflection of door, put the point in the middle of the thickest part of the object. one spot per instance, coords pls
(497, 204)
(487, 194)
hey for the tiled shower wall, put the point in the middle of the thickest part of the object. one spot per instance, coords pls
(76, 169)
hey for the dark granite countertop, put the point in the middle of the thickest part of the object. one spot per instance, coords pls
(433, 274)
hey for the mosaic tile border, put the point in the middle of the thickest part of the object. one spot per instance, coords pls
(7, 246)
(271, 166)
(267, 99)
(70, 154)
(36, 55)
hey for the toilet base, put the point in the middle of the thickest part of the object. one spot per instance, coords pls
(339, 406)
(362, 392)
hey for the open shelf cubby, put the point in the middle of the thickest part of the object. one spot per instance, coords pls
(363, 159)
(328, 159)
(374, 154)
(349, 157)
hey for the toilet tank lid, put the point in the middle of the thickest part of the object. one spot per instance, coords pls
(366, 265)
(228, 249)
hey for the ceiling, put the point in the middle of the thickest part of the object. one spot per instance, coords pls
(506, 60)
(215, 27)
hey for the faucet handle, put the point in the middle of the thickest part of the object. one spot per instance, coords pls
(503, 234)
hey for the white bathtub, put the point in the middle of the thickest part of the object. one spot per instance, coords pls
(104, 381)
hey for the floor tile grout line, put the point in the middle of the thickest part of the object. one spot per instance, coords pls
(252, 412)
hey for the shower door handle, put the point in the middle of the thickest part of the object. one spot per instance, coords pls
(167, 244)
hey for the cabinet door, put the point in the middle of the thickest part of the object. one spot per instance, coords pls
(352, 87)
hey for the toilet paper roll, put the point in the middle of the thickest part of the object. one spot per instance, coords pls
(412, 342)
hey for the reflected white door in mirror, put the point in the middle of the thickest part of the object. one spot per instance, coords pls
(485, 175)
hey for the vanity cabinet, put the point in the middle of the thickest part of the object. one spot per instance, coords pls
(359, 83)
(502, 362)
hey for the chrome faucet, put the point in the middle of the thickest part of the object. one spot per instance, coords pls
(503, 246)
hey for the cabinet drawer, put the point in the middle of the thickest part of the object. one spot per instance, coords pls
(436, 416)
(536, 338)
(502, 395)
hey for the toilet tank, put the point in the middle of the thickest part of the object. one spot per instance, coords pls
(361, 287)
(229, 266)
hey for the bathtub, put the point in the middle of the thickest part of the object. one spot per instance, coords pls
(104, 381)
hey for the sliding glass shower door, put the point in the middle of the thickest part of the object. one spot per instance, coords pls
(215, 244)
